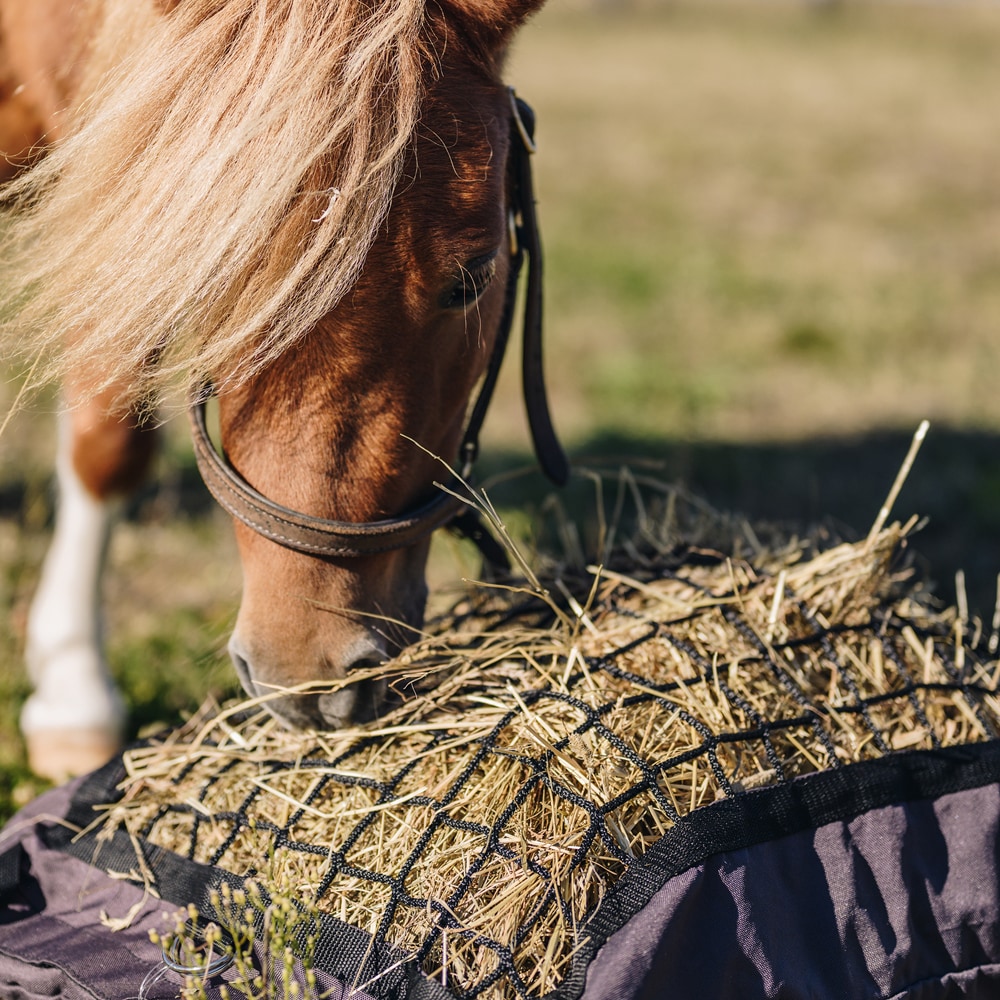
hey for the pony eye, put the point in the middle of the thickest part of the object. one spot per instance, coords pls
(472, 281)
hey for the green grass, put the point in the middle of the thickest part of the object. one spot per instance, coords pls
(762, 200)
(773, 246)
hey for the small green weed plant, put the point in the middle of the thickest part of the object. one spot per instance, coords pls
(270, 943)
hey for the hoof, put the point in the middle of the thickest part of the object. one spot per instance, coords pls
(65, 753)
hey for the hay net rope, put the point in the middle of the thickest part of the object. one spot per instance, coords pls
(553, 729)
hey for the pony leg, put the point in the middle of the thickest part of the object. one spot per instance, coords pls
(74, 719)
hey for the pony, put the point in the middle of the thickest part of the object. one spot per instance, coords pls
(314, 210)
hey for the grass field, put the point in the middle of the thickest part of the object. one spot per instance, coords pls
(773, 236)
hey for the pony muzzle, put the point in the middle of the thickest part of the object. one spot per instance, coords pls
(334, 704)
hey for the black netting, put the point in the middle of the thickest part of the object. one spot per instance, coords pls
(545, 743)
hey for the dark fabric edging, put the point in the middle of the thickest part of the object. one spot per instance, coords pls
(766, 814)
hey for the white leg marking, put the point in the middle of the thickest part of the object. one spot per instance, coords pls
(74, 695)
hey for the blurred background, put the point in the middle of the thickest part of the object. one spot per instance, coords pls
(773, 247)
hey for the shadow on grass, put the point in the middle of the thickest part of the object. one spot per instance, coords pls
(838, 481)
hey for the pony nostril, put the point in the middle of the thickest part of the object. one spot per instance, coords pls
(242, 668)
(365, 663)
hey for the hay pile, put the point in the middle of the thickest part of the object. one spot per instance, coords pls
(554, 728)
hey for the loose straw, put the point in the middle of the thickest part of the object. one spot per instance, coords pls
(904, 471)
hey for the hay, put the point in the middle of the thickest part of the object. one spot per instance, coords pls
(550, 731)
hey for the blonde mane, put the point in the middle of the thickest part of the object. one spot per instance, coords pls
(226, 171)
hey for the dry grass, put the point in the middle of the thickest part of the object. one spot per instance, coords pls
(554, 729)
(765, 220)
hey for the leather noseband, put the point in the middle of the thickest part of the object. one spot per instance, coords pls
(346, 539)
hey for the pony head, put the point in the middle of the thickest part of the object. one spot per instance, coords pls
(351, 423)
(305, 203)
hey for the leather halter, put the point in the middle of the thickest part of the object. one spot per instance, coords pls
(346, 539)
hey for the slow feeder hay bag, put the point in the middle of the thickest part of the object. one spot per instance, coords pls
(570, 747)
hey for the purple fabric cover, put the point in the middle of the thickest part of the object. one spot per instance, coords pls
(902, 901)
(52, 942)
